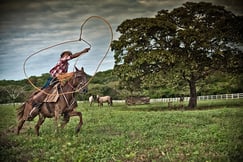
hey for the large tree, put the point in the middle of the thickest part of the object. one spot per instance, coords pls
(190, 43)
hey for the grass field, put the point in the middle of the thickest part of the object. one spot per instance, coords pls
(131, 133)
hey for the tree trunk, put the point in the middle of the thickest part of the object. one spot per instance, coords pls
(193, 95)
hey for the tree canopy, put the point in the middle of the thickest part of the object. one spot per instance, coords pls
(186, 44)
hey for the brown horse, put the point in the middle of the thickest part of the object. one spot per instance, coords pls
(103, 99)
(65, 104)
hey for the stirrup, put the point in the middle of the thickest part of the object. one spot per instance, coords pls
(30, 117)
(36, 105)
(33, 109)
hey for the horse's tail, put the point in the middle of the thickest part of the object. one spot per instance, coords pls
(20, 111)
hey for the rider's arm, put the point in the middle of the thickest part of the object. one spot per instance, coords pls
(80, 53)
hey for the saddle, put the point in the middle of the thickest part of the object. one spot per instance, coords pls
(53, 94)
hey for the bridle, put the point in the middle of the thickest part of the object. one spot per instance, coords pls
(71, 83)
(80, 85)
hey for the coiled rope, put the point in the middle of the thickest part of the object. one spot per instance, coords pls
(71, 41)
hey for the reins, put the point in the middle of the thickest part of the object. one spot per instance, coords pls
(71, 41)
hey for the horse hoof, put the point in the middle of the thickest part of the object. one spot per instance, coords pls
(77, 130)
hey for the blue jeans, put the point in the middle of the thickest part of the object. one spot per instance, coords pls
(47, 83)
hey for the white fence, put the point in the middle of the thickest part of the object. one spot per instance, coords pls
(177, 99)
(208, 97)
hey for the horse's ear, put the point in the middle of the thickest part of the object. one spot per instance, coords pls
(76, 68)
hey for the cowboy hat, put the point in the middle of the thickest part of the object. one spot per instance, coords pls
(68, 52)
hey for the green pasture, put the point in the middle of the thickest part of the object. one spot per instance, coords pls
(149, 132)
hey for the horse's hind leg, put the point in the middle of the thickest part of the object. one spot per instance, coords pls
(23, 112)
(39, 123)
(20, 125)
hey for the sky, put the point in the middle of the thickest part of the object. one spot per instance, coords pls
(28, 26)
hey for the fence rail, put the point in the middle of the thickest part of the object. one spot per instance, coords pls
(208, 97)
(177, 99)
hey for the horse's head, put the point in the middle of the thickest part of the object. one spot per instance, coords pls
(79, 80)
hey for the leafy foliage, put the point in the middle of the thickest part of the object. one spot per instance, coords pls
(104, 83)
(185, 45)
(107, 83)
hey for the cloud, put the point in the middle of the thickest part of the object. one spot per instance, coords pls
(28, 26)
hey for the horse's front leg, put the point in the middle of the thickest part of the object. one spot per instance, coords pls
(39, 123)
(66, 119)
(75, 113)
(57, 113)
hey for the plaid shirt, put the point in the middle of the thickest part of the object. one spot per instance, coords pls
(61, 66)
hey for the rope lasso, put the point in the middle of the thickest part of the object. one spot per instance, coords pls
(71, 41)
(111, 38)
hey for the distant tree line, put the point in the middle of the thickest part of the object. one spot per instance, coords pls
(107, 83)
